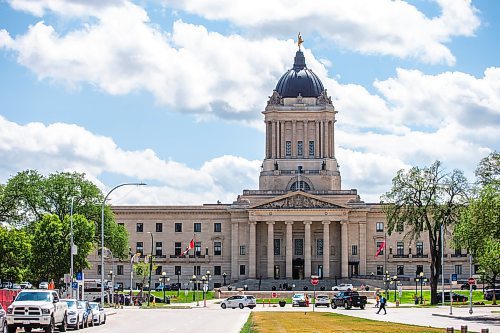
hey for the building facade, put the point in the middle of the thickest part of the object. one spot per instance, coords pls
(297, 224)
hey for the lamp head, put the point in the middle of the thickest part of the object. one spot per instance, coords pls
(163, 273)
(208, 273)
(168, 279)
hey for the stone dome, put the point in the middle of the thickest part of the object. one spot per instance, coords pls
(299, 80)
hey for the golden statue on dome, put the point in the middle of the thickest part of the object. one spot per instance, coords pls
(299, 40)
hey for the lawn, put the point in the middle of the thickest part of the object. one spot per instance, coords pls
(182, 298)
(477, 296)
(263, 322)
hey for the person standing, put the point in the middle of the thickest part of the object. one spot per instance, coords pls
(377, 299)
(383, 300)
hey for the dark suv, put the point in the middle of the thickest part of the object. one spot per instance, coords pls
(465, 286)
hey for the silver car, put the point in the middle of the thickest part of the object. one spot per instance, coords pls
(98, 315)
(239, 301)
(76, 313)
(322, 300)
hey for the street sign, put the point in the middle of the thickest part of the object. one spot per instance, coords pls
(74, 285)
(274, 295)
(79, 276)
(205, 288)
(314, 280)
(67, 278)
(454, 278)
(471, 281)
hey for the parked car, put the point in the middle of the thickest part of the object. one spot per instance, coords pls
(3, 320)
(43, 285)
(322, 300)
(456, 297)
(16, 286)
(74, 319)
(87, 313)
(488, 294)
(239, 301)
(343, 287)
(6, 285)
(98, 315)
(175, 286)
(162, 287)
(299, 300)
(466, 286)
(26, 285)
(349, 299)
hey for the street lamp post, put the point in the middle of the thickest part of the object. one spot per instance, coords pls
(208, 279)
(71, 272)
(132, 272)
(178, 283)
(113, 287)
(150, 266)
(193, 279)
(204, 283)
(422, 280)
(224, 277)
(395, 281)
(164, 277)
(102, 234)
(387, 280)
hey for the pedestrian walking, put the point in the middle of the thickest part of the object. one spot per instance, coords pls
(383, 300)
(377, 299)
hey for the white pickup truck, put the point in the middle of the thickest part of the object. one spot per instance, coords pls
(37, 309)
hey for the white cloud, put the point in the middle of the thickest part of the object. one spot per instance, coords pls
(68, 147)
(383, 27)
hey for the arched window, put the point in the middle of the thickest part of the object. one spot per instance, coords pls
(300, 185)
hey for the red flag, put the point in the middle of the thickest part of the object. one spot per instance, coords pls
(381, 247)
(190, 247)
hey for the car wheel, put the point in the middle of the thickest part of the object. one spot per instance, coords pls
(241, 306)
(11, 329)
(50, 327)
(251, 307)
(223, 305)
(336, 289)
(4, 330)
(92, 322)
(77, 326)
(362, 306)
(27, 329)
(64, 325)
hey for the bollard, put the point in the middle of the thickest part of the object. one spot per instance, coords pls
(485, 330)
(449, 330)
(463, 329)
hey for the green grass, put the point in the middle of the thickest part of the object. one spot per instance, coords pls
(477, 296)
(290, 322)
(182, 298)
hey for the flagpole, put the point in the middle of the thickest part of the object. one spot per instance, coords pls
(386, 275)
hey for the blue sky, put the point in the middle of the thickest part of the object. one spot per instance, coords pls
(171, 92)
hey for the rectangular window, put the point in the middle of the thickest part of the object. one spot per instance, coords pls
(380, 226)
(243, 250)
(277, 247)
(158, 270)
(178, 270)
(99, 269)
(217, 227)
(242, 270)
(217, 270)
(319, 247)
(288, 148)
(197, 248)
(401, 270)
(197, 227)
(299, 148)
(139, 248)
(379, 244)
(299, 246)
(159, 227)
(458, 269)
(400, 249)
(217, 248)
(420, 248)
(311, 148)
(159, 249)
(420, 268)
(177, 248)
(354, 250)
(178, 227)
(119, 270)
(196, 270)
(139, 227)
(380, 270)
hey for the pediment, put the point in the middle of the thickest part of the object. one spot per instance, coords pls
(298, 200)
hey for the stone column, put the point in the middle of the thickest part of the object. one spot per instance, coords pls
(234, 251)
(252, 251)
(326, 249)
(294, 139)
(323, 139)
(307, 249)
(333, 138)
(362, 247)
(306, 139)
(273, 139)
(344, 250)
(270, 249)
(317, 143)
(289, 249)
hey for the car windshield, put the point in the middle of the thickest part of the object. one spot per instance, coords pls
(71, 303)
(298, 296)
(94, 306)
(322, 296)
(34, 296)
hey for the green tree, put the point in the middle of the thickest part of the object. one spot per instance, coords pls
(15, 254)
(141, 271)
(489, 261)
(28, 196)
(422, 200)
(488, 170)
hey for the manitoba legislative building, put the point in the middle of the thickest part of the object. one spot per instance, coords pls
(298, 223)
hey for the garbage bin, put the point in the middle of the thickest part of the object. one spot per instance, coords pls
(397, 302)
(168, 300)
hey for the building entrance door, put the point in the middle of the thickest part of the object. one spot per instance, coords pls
(353, 269)
(298, 269)
(276, 272)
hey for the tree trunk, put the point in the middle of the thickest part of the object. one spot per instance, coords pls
(435, 251)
